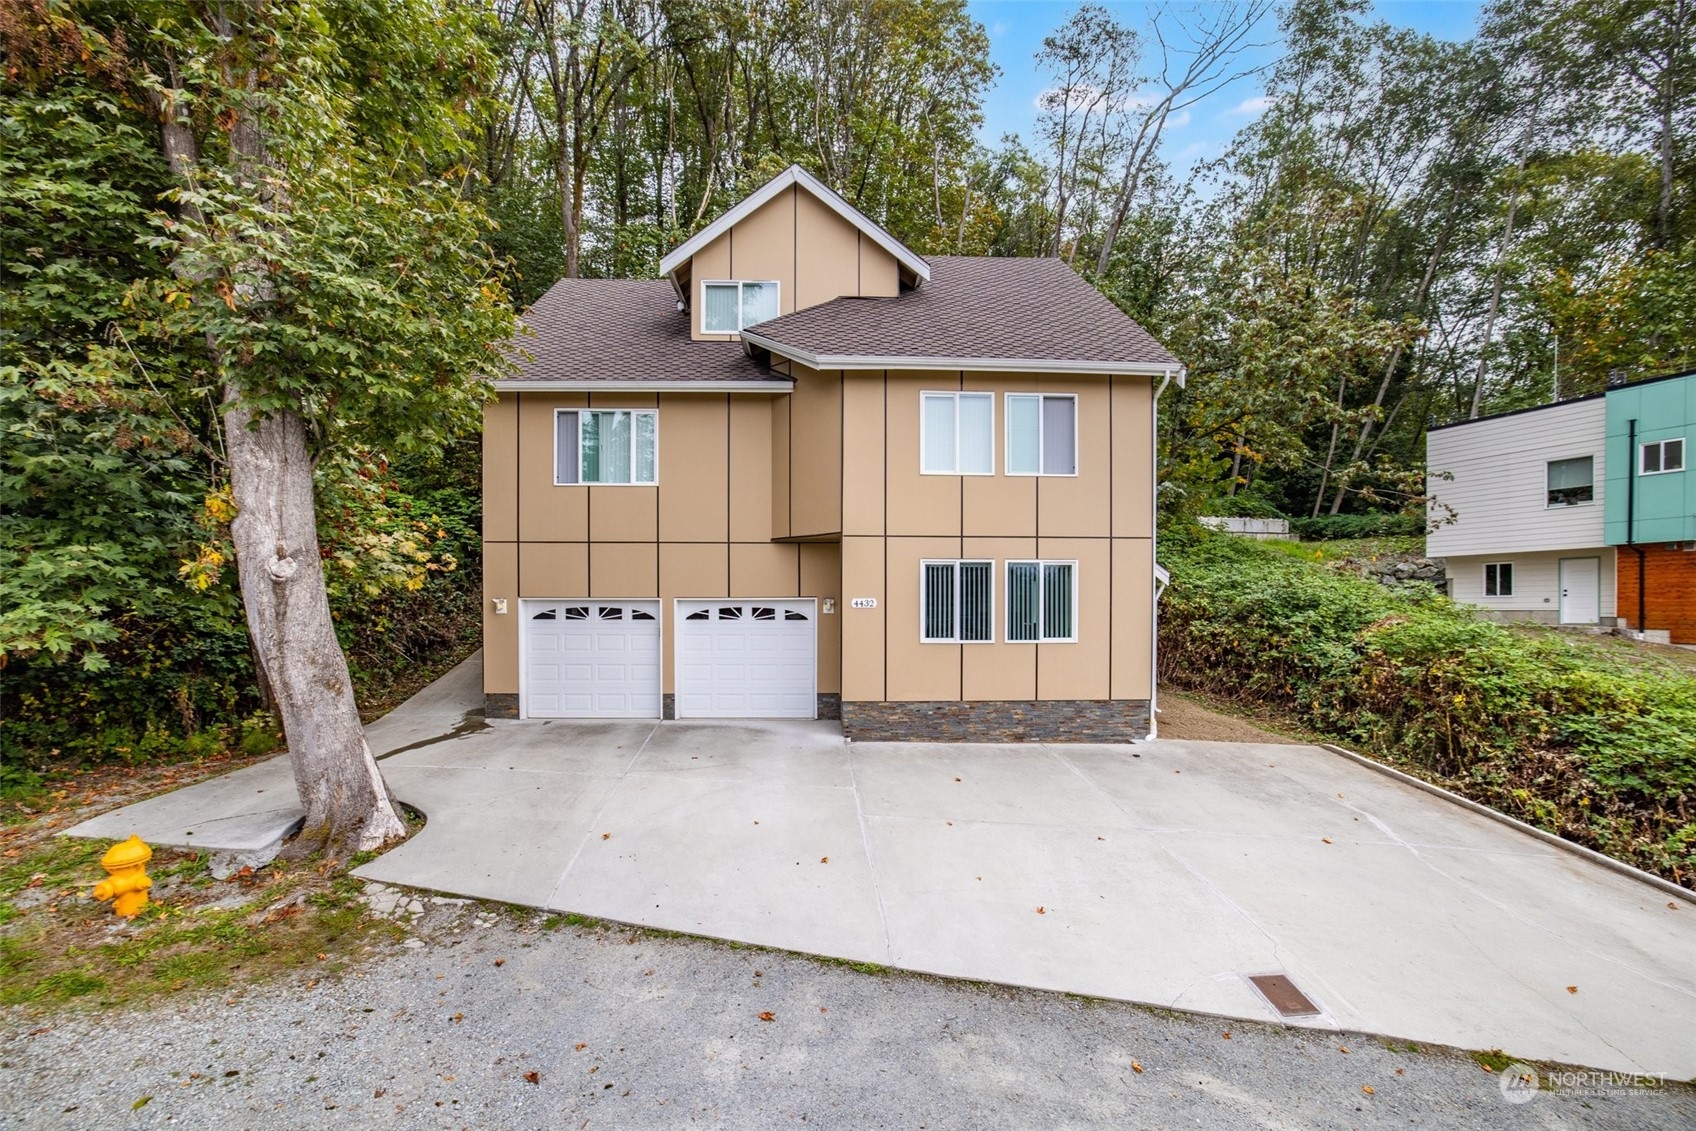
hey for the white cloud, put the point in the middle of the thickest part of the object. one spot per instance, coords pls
(1179, 120)
(1253, 107)
(998, 29)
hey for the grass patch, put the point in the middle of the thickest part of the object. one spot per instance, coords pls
(61, 948)
(1494, 1059)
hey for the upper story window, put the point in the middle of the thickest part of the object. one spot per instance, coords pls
(1571, 481)
(1042, 434)
(1660, 455)
(729, 306)
(606, 446)
(958, 434)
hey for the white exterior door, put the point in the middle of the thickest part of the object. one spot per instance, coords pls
(1581, 590)
(747, 659)
(591, 659)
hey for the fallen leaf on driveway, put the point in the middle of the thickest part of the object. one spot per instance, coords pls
(1342, 1048)
(579, 1046)
(141, 1103)
(1572, 989)
(1367, 1088)
(458, 1017)
(822, 1009)
(768, 1015)
(500, 962)
(1137, 1068)
(824, 860)
(606, 836)
(532, 1077)
(956, 779)
(1326, 839)
(378, 1094)
(1042, 911)
(1226, 1034)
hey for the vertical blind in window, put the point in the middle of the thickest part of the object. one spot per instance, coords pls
(958, 602)
(1040, 601)
(720, 308)
(958, 433)
(1042, 434)
(614, 446)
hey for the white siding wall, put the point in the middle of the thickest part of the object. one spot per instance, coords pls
(1536, 582)
(1499, 490)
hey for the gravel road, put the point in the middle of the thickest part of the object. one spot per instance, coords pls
(485, 1019)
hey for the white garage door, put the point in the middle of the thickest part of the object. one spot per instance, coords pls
(591, 659)
(747, 659)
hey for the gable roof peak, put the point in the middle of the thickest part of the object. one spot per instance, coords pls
(795, 175)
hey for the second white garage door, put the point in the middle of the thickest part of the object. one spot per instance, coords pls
(747, 659)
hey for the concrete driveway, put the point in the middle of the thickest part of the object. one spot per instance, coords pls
(1165, 873)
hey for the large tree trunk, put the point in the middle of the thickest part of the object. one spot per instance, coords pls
(348, 807)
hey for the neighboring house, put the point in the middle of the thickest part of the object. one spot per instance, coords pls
(1651, 504)
(1580, 512)
(813, 474)
(1527, 540)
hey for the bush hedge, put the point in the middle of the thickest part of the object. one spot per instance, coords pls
(1331, 526)
(1597, 748)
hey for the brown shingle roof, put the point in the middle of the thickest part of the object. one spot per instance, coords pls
(621, 330)
(994, 309)
(979, 308)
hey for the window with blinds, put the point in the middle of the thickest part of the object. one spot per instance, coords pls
(610, 446)
(957, 602)
(957, 435)
(1571, 481)
(730, 306)
(1042, 434)
(1042, 602)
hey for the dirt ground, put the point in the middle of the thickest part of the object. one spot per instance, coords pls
(1188, 717)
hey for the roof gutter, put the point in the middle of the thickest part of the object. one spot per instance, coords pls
(994, 364)
(591, 385)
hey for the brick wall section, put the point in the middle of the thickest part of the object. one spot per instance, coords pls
(1063, 720)
(1670, 587)
(500, 705)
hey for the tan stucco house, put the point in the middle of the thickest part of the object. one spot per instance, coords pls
(812, 474)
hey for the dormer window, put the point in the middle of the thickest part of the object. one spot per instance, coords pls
(729, 306)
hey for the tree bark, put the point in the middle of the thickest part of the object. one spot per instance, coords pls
(348, 807)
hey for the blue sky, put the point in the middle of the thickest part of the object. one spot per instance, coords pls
(1016, 28)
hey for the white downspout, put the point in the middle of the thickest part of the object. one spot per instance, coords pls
(1154, 552)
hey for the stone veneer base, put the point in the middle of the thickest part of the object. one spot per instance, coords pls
(500, 705)
(1059, 720)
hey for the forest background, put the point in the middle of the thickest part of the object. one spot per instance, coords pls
(1413, 230)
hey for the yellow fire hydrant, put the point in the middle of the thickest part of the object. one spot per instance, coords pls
(126, 862)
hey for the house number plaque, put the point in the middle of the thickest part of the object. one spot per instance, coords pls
(863, 603)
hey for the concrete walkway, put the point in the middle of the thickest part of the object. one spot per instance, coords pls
(1165, 873)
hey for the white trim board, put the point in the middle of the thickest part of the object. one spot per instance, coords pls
(970, 364)
(795, 175)
(589, 385)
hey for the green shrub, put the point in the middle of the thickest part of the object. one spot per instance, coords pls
(1552, 730)
(1333, 526)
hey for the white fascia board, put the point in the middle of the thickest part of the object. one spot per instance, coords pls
(543, 385)
(791, 176)
(980, 364)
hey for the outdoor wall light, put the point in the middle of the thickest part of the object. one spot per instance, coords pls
(500, 606)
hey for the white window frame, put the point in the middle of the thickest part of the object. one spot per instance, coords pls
(1007, 437)
(1643, 451)
(1497, 566)
(955, 395)
(741, 324)
(634, 412)
(956, 563)
(1549, 504)
(1042, 598)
